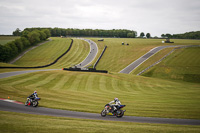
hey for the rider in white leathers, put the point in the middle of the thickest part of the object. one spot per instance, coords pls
(116, 104)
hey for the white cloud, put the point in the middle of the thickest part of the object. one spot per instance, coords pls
(153, 16)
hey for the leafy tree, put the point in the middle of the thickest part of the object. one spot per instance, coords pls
(19, 45)
(33, 37)
(17, 32)
(130, 35)
(142, 34)
(58, 31)
(3, 54)
(163, 36)
(25, 33)
(187, 35)
(47, 32)
(91, 32)
(148, 35)
(13, 47)
(53, 32)
(168, 35)
(43, 36)
(63, 32)
(28, 37)
(25, 42)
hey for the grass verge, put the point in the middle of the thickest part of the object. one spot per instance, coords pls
(17, 122)
(183, 64)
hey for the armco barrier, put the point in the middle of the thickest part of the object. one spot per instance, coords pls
(43, 65)
(85, 70)
(99, 57)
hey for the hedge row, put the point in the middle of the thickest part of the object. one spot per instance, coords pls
(14, 48)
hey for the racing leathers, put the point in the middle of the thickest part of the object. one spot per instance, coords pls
(32, 96)
(115, 105)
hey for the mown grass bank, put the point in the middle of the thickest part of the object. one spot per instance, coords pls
(89, 92)
(183, 64)
(44, 54)
(76, 55)
(118, 56)
(17, 122)
(48, 52)
(156, 57)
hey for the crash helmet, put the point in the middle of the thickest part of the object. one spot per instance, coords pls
(35, 92)
(116, 99)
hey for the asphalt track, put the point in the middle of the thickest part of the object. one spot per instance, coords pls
(9, 74)
(91, 56)
(142, 59)
(20, 108)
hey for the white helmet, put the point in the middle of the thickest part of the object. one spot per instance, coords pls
(116, 99)
(35, 91)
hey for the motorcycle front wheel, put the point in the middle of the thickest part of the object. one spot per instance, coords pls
(103, 113)
(35, 103)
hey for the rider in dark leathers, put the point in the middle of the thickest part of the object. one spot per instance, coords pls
(32, 96)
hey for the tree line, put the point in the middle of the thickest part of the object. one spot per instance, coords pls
(123, 33)
(28, 38)
(32, 36)
(187, 35)
(142, 35)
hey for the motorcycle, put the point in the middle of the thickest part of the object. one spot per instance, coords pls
(33, 102)
(108, 109)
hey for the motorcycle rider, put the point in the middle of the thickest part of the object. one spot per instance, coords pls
(32, 97)
(116, 104)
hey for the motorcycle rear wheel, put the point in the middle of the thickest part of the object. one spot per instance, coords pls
(26, 103)
(103, 113)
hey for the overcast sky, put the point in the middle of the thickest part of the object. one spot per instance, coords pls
(153, 16)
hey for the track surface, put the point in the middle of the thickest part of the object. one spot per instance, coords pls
(142, 59)
(20, 108)
(9, 74)
(91, 55)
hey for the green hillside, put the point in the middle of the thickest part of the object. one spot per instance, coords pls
(89, 92)
(45, 53)
(118, 56)
(155, 94)
(183, 64)
(77, 54)
(50, 51)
